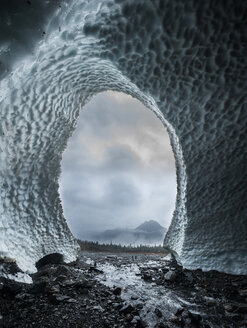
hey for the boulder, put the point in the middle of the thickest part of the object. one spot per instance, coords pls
(54, 258)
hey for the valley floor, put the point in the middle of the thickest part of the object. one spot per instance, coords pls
(123, 290)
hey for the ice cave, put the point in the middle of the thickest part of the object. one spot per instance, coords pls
(185, 60)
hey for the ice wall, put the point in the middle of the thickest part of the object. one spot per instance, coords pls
(186, 60)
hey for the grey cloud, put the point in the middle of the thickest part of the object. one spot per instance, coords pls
(122, 192)
(118, 169)
(121, 157)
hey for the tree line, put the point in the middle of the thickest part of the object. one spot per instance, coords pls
(95, 246)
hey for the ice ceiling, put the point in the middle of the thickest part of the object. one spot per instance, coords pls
(185, 60)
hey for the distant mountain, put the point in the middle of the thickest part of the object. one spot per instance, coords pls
(149, 232)
(149, 226)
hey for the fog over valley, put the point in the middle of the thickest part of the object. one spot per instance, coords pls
(118, 170)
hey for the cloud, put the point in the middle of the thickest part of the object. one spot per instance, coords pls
(118, 169)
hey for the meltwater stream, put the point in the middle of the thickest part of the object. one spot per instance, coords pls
(124, 271)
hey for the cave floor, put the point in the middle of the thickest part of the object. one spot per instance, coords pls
(123, 290)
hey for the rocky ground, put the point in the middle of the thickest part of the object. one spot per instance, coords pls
(102, 290)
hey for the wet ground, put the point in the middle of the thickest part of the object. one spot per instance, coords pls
(123, 290)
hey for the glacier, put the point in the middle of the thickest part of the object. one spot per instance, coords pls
(184, 60)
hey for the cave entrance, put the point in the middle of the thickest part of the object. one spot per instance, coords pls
(118, 172)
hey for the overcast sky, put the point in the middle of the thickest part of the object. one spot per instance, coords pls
(118, 169)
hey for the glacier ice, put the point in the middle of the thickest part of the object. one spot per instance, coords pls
(185, 60)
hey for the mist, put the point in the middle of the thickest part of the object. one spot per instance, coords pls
(118, 169)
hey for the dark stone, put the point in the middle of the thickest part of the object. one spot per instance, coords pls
(185, 314)
(158, 313)
(134, 298)
(195, 317)
(126, 309)
(62, 270)
(61, 278)
(170, 276)
(82, 284)
(38, 288)
(116, 306)
(11, 288)
(58, 298)
(55, 289)
(179, 312)
(243, 292)
(62, 298)
(54, 258)
(175, 320)
(161, 325)
(147, 277)
(129, 317)
(117, 291)
(45, 272)
(139, 306)
(140, 324)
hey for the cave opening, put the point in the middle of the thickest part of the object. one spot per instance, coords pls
(118, 173)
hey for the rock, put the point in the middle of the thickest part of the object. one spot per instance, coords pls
(139, 306)
(243, 292)
(241, 308)
(116, 306)
(139, 324)
(54, 258)
(134, 298)
(69, 283)
(195, 317)
(189, 276)
(179, 311)
(126, 309)
(147, 277)
(98, 308)
(136, 319)
(38, 287)
(62, 298)
(170, 275)
(62, 270)
(211, 302)
(82, 284)
(186, 319)
(53, 298)
(243, 323)
(11, 288)
(175, 320)
(129, 317)
(22, 296)
(117, 291)
(158, 313)
(44, 272)
(58, 298)
(236, 307)
(93, 269)
(60, 278)
(185, 313)
(161, 325)
(54, 290)
(71, 300)
(233, 316)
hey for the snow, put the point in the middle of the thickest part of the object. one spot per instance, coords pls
(19, 276)
(183, 61)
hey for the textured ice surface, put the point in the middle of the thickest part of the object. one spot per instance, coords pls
(185, 60)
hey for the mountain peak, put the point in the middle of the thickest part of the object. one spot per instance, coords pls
(150, 225)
